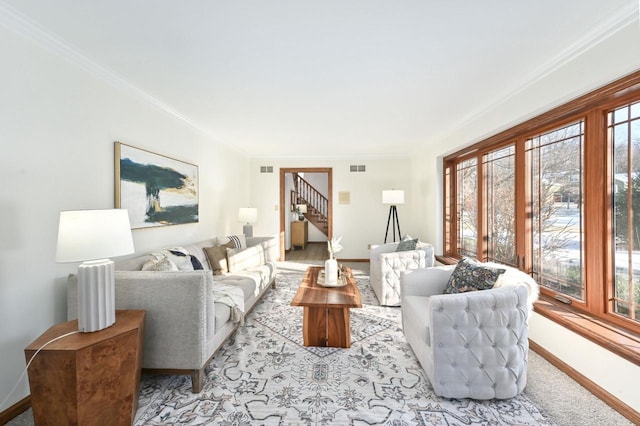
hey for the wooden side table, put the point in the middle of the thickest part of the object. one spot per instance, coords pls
(299, 234)
(87, 378)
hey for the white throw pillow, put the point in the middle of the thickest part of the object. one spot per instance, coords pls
(241, 259)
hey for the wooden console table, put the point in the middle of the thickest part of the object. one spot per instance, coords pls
(326, 318)
(87, 378)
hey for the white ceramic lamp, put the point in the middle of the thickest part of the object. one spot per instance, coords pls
(91, 237)
(248, 215)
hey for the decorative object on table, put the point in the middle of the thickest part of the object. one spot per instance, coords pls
(301, 209)
(248, 215)
(393, 197)
(157, 190)
(91, 236)
(331, 264)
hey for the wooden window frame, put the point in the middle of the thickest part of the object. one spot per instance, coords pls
(597, 246)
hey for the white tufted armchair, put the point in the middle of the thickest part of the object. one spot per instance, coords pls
(386, 265)
(471, 345)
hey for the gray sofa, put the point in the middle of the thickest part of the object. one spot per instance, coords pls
(185, 325)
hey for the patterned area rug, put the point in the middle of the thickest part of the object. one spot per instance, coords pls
(263, 375)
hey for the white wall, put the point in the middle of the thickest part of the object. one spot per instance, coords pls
(363, 220)
(59, 124)
(614, 57)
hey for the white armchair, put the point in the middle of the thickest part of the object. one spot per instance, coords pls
(473, 344)
(386, 265)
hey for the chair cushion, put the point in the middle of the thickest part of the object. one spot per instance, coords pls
(471, 276)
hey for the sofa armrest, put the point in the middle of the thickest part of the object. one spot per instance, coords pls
(180, 313)
(426, 281)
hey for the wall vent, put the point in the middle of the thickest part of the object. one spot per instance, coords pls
(266, 169)
(357, 168)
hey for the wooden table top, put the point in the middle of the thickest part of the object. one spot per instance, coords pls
(313, 295)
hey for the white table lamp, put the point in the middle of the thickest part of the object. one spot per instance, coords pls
(248, 215)
(91, 237)
(393, 197)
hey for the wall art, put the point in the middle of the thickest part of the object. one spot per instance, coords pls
(156, 190)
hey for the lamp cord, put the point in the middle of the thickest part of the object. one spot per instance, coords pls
(29, 363)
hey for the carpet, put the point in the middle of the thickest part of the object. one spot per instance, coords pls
(264, 375)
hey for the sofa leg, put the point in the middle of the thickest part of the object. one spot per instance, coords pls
(197, 380)
(273, 284)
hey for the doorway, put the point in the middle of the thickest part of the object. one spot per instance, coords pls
(287, 201)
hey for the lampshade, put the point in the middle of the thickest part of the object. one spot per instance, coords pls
(93, 234)
(393, 196)
(248, 215)
(302, 208)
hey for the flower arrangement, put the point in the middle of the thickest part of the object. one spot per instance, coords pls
(334, 247)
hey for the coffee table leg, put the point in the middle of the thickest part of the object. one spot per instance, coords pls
(314, 326)
(339, 328)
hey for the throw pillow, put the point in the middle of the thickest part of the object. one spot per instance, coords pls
(195, 262)
(471, 276)
(407, 243)
(217, 257)
(239, 241)
(241, 259)
(159, 264)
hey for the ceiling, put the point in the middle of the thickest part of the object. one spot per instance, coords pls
(297, 78)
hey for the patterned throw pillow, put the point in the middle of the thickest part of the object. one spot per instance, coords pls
(407, 243)
(159, 264)
(471, 276)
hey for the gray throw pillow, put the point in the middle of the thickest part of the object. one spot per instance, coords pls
(407, 243)
(471, 276)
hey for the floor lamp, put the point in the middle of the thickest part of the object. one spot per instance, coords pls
(393, 197)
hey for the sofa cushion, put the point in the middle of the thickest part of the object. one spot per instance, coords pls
(217, 257)
(241, 259)
(407, 243)
(471, 276)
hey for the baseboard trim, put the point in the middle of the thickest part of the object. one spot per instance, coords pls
(587, 383)
(15, 410)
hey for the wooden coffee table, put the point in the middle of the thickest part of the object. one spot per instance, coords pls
(326, 309)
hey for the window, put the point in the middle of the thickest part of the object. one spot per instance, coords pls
(555, 160)
(624, 139)
(467, 207)
(559, 199)
(499, 167)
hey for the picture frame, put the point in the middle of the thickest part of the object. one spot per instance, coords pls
(156, 190)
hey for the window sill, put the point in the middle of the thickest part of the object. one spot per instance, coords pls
(613, 338)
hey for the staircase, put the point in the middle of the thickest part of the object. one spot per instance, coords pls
(317, 204)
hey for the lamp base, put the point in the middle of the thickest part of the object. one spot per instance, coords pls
(247, 230)
(96, 295)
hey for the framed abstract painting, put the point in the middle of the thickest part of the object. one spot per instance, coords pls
(156, 190)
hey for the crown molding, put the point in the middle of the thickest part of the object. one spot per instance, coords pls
(29, 29)
(607, 28)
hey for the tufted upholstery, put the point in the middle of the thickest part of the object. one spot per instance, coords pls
(386, 266)
(471, 345)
